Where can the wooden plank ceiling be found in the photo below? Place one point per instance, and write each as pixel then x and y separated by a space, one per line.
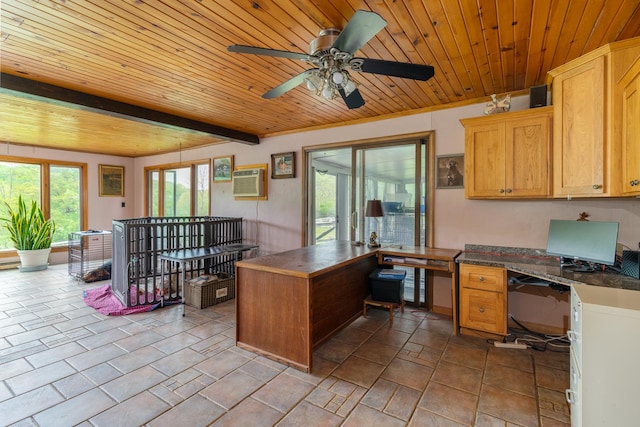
pixel 171 56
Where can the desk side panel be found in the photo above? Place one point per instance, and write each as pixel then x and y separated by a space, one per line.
pixel 337 298
pixel 272 315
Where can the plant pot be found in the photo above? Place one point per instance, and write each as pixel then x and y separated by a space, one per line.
pixel 34 260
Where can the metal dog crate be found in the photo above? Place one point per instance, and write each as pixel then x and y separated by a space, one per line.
pixel 87 251
pixel 135 271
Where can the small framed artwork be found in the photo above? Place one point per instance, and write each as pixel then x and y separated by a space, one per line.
pixel 449 171
pixel 222 168
pixel 111 181
pixel 283 165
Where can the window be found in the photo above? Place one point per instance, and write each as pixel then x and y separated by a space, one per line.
pixel 182 190
pixel 56 186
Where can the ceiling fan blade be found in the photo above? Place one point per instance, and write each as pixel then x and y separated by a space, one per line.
pixel 361 28
pixel 268 52
pixel 353 100
pixel 289 84
pixel 392 68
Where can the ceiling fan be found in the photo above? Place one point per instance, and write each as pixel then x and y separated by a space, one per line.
pixel 332 52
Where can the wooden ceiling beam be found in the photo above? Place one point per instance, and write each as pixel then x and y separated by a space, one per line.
pixel 20 86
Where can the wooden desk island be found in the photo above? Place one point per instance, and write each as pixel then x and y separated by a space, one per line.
pixel 288 304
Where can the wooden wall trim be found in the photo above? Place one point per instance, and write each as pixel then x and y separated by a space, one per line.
pixel 27 88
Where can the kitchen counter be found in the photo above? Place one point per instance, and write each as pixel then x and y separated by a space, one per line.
pixel 536 263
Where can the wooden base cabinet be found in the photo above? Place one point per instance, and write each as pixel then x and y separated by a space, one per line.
pixel 605 348
pixel 483 298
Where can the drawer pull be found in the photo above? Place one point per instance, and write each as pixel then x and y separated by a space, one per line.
pixel 596 186
pixel 481 278
pixel 481 309
pixel 570 396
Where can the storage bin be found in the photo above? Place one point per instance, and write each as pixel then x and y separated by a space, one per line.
pixel 209 289
pixel 387 288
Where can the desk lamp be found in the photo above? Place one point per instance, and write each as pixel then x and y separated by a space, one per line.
pixel 374 210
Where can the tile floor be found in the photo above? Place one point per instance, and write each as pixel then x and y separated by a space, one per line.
pixel 64 364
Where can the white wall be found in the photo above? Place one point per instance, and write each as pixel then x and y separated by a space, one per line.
pixel 457 221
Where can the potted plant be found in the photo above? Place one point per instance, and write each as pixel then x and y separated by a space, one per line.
pixel 31 234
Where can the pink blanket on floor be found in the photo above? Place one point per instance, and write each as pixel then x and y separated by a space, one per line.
pixel 103 300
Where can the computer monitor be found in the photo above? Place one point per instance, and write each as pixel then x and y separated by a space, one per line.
pixel 590 241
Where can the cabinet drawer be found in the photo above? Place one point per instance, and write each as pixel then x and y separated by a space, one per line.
pixel 483 278
pixel 483 310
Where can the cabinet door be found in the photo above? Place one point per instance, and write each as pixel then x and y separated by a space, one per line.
pixel 578 130
pixel 528 163
pixel 484 161
pixel 630 85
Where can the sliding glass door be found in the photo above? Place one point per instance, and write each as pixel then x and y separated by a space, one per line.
pixel 340 181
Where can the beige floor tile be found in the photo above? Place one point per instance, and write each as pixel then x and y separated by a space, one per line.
pixel 458 376
pixel 359 371
pixel 463 355
pixel 376 352
pixel 509 406
pixel 308 414
pixel 365 416
pixel 509 378
pixel 159 368
pixel 424 418
pixel 408 374
pixel 283 392
pixel 551 378
pixel 457 405
pixel 249 412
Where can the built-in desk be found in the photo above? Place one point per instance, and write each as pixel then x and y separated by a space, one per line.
pixel 434 259
pixel 536 263
pixel 288 304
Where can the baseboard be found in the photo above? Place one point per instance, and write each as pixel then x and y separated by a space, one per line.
pixel 535 327
pixel 9 265
pixel 445 311
pixel 481 334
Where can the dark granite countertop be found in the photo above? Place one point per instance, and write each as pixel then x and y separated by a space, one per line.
pixel 536 263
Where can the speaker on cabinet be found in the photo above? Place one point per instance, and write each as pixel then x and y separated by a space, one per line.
pixel 537 96
pixel 631 263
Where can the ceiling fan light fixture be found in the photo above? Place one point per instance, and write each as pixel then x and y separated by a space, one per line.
pixel 327 92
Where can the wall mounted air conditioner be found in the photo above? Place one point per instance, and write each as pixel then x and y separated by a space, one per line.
pixel 248 182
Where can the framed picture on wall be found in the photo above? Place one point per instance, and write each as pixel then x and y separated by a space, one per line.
pixel 449 171
pixel 111 181
pixel 222 168
pixel 283 165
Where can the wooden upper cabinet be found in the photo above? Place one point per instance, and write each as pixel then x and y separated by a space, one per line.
pixel 508 155
pixel 629 87
pixel 587 121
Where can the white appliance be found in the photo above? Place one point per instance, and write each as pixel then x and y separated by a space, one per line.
pixel 248 182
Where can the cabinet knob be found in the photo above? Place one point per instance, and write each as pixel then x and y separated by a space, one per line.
pixel 596 186
pixel 481 310
pixel 509 190
pixel 634 182
pixel 481 278
pixel 501 191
